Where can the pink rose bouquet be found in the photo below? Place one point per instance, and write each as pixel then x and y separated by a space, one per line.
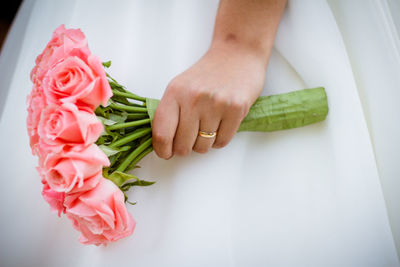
pixel 69 84
pixel 89 132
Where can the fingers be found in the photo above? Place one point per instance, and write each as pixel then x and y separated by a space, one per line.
pixel 182 112
pixel 164 126
pixel 230 124
pixel 186 132
pixel 210 125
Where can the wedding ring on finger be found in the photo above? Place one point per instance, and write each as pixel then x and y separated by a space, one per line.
pixel 207 134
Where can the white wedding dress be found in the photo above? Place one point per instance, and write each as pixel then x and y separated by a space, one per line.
pixel 305 197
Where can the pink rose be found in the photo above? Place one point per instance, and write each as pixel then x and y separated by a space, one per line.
pixel 75 171
pixel 77 79
pixel 100 214
pixel 68 125
pixel 36 102
pixel 61 44
pixel 55 199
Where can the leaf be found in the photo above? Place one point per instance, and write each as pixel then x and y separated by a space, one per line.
pixel 127 201
pixel 109 102
pixel 108 150
pixel 116 86
pixel 119 178
pixel 114 159
pixel 102 139
pixel 132 203
pixel 127 185
pixel 119 118
pixel 100 111
pixel 120 99
pixel 103 111
pixel 107 64
pixel 115 135
pixel 125 180
pixel 151 105
pixel 139 183
pixel 105 172
pixel 105 121
pixel 131 167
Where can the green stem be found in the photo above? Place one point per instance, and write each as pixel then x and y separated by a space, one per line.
pixel 133 136
pixel 140 156
pixel 129 95
pixel 128 124
pixel 128 108
pixel 116 99
pixel 136 116
pixel 134 154
pixel 108 75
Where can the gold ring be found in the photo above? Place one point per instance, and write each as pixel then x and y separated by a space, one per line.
pixel 207 134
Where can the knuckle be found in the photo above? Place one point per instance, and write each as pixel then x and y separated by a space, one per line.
pixel 220 143
pixel 220 101
pixel 197 95
pixel 240 107
pixel 200 150
pixel 181 151
pixel 175 85
pixel 161 139
pixel 237 105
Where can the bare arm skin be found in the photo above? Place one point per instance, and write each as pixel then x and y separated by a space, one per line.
pixel 216 93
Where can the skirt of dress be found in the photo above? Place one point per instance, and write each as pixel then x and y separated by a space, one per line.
pixel 303 197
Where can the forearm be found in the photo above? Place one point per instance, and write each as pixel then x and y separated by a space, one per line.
pixel 249 25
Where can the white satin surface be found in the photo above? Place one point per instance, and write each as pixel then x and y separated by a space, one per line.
pixel 303 197
pixel 371 32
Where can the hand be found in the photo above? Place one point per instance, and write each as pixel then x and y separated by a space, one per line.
pixel 215 94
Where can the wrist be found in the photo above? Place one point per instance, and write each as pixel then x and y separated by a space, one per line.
pixel 232 46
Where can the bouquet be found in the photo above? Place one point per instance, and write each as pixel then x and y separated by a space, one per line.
pixel 89 132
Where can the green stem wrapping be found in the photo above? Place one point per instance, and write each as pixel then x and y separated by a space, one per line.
pixel 128 160
pixel 128 108
pixel 286 111
pixel 133 136
pixel 128 124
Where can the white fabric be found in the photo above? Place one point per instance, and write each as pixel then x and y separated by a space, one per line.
pixel 374 54
pixel 302 197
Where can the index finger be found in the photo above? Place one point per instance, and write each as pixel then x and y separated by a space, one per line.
pixel 164 127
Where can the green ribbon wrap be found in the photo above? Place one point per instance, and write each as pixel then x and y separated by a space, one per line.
pixel 277 112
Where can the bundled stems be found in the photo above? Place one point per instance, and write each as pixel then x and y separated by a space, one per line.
pixel 128 124
pixel 136 116
pixel 141 155
pixel 131 137
pixel 128 108
pixel 127 137
pixel 131 157
pixel 129 95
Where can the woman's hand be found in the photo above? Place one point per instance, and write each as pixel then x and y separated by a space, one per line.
pixel 215 94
